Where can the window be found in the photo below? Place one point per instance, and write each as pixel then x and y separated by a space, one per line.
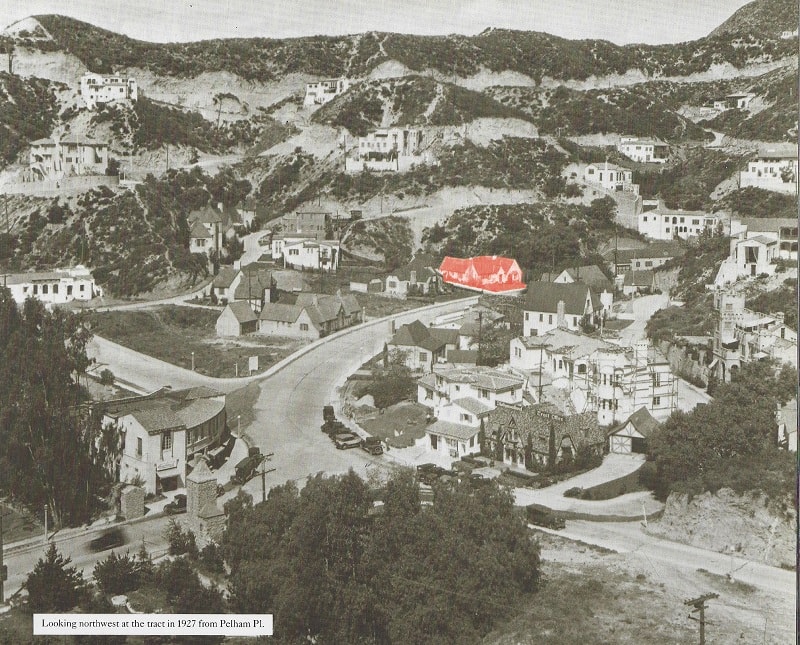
pixel 55 288
pixel 138 446
pixel 656 400
pixel 550 319
pixel 527 316
pixel 423 357
pixel 44 288
pixel 472 441
pixel 82 287
pixel 656 379
pixel 484 394
pixel 166 441
pixel 696 222
pixel 648 263
pixel 574 321
pixel 581 368
pixel 303 326
pixel 35 289
pixel 560 364
pixel 466 417
pixel 541 317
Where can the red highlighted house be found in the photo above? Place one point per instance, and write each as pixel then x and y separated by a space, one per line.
pixel 491 273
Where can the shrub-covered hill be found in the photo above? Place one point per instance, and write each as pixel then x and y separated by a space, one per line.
pixel 147 125
pixel 531 53
pixel 134 241
pixel 765 17
pixel 776 122
pixel 410 100
pixel 541 236
pixel 28 111
pixel 756 202
pixel 639 110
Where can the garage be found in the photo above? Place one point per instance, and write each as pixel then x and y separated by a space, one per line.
pixel 631 436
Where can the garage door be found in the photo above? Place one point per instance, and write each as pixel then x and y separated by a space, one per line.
pixel 620 444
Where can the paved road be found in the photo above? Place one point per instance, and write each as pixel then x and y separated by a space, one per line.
pixel 643 309
pixel 20 562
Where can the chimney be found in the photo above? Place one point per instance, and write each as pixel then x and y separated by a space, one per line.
pixel 561 319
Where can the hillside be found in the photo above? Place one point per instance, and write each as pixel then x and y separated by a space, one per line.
pixel 535 55
pixel 411 100
pixel 763 18
pixel 28 111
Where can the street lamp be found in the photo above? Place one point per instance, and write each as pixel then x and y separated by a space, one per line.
pixel 193 361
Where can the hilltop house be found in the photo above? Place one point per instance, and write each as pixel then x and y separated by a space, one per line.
pixel 99 88
pixel 540 435
pixel 738 100
pixel 651 257
pixel 742 335
pixel 160 433
pixel 53 287
pixel 418 277
pixel 70 156
pixel 312 316
pixel 388 149
pixel 774 168
pixel 423 346
pixel 549 305
pixel 205 230
pixel 644 150
pixel 666 224
pixel 489 273
pixel 321 92
pixel 611 177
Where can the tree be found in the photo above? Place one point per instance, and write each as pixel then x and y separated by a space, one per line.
pixel 51 453
pixel 117 574
pixel 53 586
pixel 106 377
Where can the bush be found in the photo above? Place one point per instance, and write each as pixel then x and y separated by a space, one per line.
pixel 180 541
pixel 117 574
pixel 211 558
pixel 575 491
pixel 107 377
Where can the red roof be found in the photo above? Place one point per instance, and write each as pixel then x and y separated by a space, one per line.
pixel 485 272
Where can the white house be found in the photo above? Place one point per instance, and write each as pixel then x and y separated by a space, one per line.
pixel 736 101
pixel 98 88
pixel 161 432
pixel 644 150
pixel 631 436
pixel 326 90
pixel 237 319
pixel 311 254
pixel 461 398
pixel 774 168
pixel 69 156
pixel 389 149
pixel 549 305
pixel 312 316
pixel 423 346
pixel 418 277
pixel 205 230
pixel 666 224
pixel 53 287
pixel 611 177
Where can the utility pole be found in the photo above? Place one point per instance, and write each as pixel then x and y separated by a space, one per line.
pixel 5 201
pixel 2 566
pixel 699 605
pixel 480 329
pixel 263 474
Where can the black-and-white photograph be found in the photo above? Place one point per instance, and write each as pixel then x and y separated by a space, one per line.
pixel 398 322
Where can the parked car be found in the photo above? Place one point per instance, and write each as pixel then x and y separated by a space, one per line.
pixel 345 440
pixel 328 413
pixel 177 505
pixel 543 516
pixel 109 539
pixel 429 473
pixel 372 445
pixel 246 468
pixel 333 427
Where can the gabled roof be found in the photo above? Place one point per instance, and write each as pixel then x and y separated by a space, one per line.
pixel 473 405
pixel 278 312
pixel 545 296
pixel 198 231
pixel 329 305
pixel 642 421
pixel 206 215
pixel 43 142
pixel 242 311
pixel 767 224
pixel 485 378
pixel 423 264
pixel 253 283
pixel 590 275
pixel 762 239
pixel 463 356
pixel 416 334
pixel 225 277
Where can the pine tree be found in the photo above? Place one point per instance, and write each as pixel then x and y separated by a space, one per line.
pixel 53 586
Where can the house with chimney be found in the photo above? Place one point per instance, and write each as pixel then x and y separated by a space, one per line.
pixel 205 230
pixel 70 156
pixel 310 316
pixel 611 177
pixel 97 89
pixel 643 150
pixel 423 347
pixel 485 273
pixel 550 305
pixel 418 277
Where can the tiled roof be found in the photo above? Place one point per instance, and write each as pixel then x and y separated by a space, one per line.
pixel 453 430
pixel 157 419
pixel 762 239
pixel 473 405
pixel 592 276
pixel 253 283
pixel 199 392
pixel 278 312
pixel 482 377
pixel 570 343
pixel 43 142
pixel 466 356
pixel 545 296
pixel 199 411
pixel 767 224
pixel 166 409
pixel 416 334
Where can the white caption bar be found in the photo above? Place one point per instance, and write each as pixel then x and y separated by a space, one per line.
pixel 153 624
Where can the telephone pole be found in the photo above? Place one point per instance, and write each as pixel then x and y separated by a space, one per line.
pixel 699 605
pixel 263 474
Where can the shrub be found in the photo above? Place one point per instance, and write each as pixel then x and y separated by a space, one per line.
pixel 180 541
pixel 117 574
pixel 107 377
pixel 575 491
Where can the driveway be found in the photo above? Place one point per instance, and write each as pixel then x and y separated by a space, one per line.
pixel 643 309
pixel 633 505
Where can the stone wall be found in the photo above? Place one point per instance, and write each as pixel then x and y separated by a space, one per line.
pixel 131 502
pixel 682 364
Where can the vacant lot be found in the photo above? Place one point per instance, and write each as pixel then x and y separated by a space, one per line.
pixel 400 425
pixel 174 334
